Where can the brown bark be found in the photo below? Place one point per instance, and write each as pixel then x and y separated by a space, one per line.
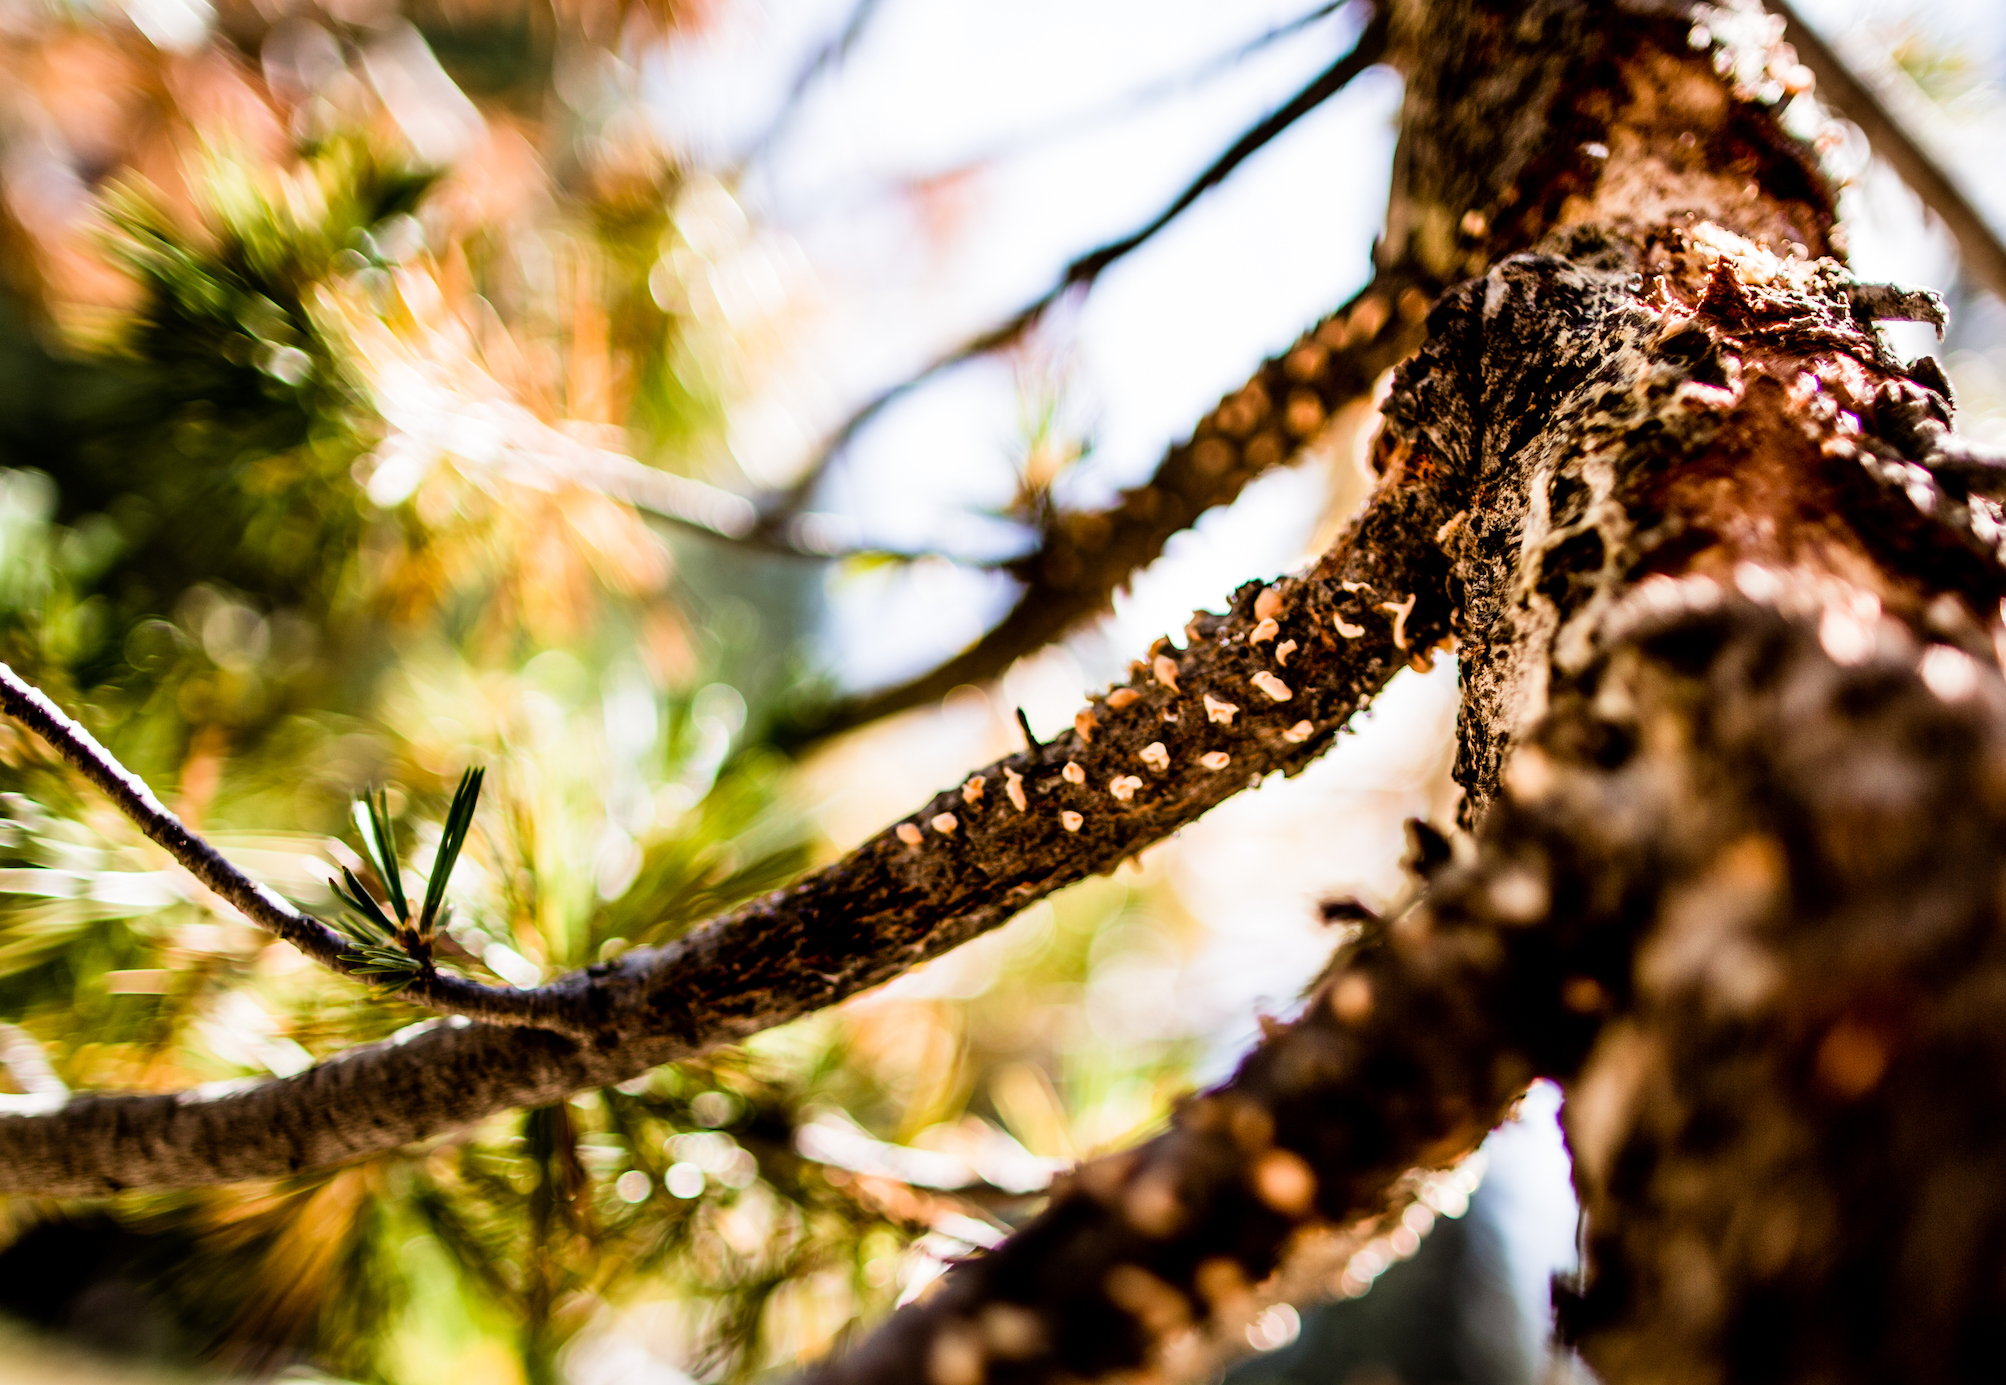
pixel 1731 741
pixel 1734 747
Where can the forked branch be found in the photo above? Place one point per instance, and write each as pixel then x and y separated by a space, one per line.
pixel 430 988
pixel 1082 272
pixel 1083 557
pixel 1264 687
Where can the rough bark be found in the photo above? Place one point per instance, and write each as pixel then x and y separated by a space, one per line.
pixel 1762 641
pixel 1732 745
pixel 1784 1136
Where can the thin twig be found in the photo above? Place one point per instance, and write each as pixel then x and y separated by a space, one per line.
pixel 1082 558
pixel 1082 272
pixel 533 452
pixel 716 513
pixel 546 1007
pixel 1070 124
pixel 1978 244
pixel 827 57
pixel 541 456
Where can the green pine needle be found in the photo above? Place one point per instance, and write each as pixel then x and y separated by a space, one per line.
pixel 459 821
pixel 384 962
pixel 381 935
pixel 381 961
pixel 374 817
pixel 366 910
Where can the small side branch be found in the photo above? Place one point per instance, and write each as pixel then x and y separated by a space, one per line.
pixel 546 1008
pixel 1082 272
pixel 1263 688
pixel 1410 1049
pixel 1978 245
pixel 542 456
pixel 1082 558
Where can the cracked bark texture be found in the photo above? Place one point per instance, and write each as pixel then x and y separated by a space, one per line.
pixel 1734 750
pixel 1727 608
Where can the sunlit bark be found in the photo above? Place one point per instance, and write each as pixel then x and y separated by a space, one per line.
pixel 1732 742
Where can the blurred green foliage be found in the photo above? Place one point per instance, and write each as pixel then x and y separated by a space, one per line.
pixel 200 554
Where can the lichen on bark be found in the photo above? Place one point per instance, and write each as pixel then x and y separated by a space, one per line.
pixel 1726 596
pixel 1726 603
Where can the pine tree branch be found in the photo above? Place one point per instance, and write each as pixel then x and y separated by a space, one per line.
pixel 1082 272
pixel 1263 688
pixel 1638 921
pixel 1979 246
pixel 1082 558
pixel 1409 1051
pixel 1738 883
pixel 545 1007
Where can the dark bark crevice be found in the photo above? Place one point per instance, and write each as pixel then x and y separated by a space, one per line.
pixel 1725 613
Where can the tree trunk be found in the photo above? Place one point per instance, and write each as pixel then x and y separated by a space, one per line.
pixel 1726 595
pixel 1734 748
